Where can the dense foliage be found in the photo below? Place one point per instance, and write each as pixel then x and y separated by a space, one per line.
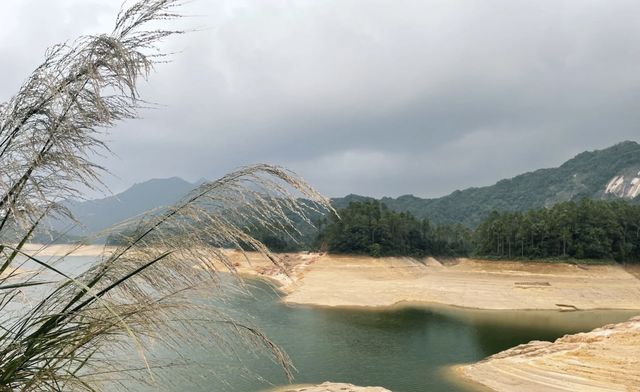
pixel 582 230
pixel 369 227
pixel 586 229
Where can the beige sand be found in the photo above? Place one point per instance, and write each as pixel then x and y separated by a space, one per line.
pixel 605 359
pixel 291 269
pixel 496 285
pixel 330 280
pixel 65 249
pixel 330 387
pixel 12 273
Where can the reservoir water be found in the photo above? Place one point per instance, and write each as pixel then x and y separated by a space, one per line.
pixel 407 349
pixel 404 350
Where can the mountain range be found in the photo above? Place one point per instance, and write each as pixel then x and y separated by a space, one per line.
pixel 609 173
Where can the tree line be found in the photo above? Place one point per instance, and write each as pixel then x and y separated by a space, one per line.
pixel 370 227
pixel 586 229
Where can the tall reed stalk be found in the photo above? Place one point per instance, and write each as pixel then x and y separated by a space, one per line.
pixel 61 332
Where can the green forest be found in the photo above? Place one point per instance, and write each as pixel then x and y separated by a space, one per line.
pixel 587 229
pixel 370 227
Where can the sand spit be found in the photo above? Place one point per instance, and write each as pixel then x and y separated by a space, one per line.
pixel 605 359
pixel 330 387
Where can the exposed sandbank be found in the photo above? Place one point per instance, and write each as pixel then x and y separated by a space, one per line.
pixel 605 359
pixel 329 387
pixel 494 285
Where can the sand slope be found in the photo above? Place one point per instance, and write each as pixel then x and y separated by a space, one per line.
pixel 605 359
pixel 498 285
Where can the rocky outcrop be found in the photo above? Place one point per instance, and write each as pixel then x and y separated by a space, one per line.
pixel 604 360
pixel 624 186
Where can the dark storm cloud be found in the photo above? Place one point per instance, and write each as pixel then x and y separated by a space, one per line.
pixel 371 97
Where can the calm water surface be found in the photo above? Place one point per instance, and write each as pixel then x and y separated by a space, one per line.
pixel 404 350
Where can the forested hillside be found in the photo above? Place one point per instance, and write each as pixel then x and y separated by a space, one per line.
pixel 590 174
pixel 599 230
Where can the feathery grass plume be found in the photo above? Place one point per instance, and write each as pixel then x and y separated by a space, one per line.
pixel 73 328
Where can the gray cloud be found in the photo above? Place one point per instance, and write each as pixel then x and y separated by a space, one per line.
pixel 372 97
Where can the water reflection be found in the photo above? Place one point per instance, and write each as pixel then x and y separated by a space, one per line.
pixel 402 349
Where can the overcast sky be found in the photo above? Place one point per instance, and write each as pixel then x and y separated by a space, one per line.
pixel 376 97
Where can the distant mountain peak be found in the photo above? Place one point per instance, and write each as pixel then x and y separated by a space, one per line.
pixel 627 143
pixel 174 179
pixel 99 214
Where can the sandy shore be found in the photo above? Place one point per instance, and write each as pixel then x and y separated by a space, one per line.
pixel 493 285
pixel 348 281
pixel 605 359
pixel 329 387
